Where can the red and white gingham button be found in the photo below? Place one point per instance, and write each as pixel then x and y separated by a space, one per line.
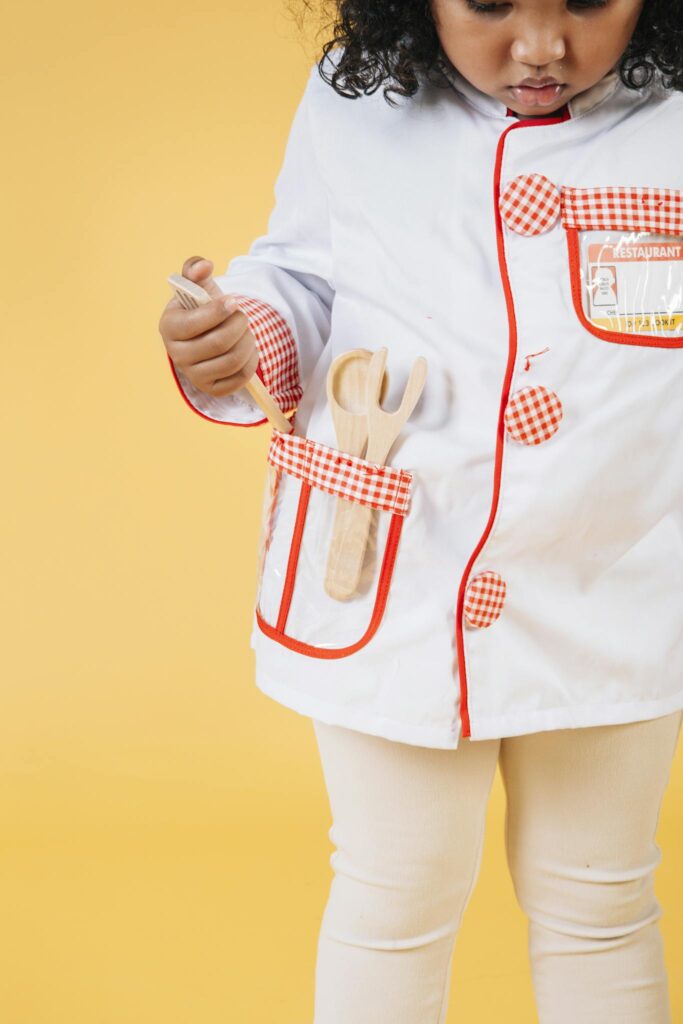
pixel 484 599
pixel 530 204
pixel 532 414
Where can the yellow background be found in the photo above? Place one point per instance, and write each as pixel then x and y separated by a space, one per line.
pixel 164 848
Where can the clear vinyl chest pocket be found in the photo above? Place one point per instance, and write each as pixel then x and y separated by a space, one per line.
pixel 625 247
pixel 329 540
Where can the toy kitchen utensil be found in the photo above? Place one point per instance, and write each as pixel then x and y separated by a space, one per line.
pixel 351 528
pixel 346 385
pixel 192 295
pixel 347 396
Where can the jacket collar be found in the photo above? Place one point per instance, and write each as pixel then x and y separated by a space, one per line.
pixel 579 104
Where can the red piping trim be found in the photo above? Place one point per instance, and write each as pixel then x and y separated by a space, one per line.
pixel 292 562
pixel 641 340
pixel 500 433
pixel 386 572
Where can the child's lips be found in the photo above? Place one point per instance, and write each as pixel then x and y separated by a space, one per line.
pixel 533 96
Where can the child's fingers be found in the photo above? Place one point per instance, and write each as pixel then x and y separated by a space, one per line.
pixel 230 369
pixel 228 385
pixel 168 313
pixel 196 265
pixel 199 270
pixel 180 324
pixel 212 343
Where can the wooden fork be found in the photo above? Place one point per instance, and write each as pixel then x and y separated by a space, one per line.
pixel 190 295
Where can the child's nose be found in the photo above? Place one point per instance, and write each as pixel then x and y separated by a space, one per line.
pixel 539 45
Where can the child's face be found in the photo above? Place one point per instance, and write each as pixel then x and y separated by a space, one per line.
pixel 497 45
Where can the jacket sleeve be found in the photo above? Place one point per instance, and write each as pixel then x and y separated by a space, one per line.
pixel 284 283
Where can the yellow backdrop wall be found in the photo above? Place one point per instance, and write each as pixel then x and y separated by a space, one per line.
pixel 164 851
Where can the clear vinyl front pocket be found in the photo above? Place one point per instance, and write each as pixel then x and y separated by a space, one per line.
pixel 625 250
pixel 329 540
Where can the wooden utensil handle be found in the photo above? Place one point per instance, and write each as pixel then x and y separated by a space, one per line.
pixel 347 548
pixel 267 403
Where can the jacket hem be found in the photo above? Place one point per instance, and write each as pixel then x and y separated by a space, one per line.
pixel 495 726
pixel 487 728
pixel 375 725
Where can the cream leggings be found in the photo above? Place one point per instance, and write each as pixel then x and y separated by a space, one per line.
pixel 407 825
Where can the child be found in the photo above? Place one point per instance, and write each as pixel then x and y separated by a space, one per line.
pixel 497 187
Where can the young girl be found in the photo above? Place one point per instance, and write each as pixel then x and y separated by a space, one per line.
pixel 497 187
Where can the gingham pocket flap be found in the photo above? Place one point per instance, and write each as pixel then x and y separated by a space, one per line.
pixel 348 476
pixel 622 208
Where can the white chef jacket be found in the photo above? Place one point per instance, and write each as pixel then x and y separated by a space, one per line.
pixel 525 570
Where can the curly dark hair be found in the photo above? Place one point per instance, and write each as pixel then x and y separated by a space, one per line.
pixel 394 44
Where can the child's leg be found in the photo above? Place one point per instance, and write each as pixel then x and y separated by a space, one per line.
pixel 582 812
pixel 407 823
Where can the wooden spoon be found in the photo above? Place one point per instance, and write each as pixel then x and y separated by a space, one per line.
pixel 347 550
pixel 347 397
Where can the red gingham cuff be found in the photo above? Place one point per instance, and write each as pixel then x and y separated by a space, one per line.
pixel 278 366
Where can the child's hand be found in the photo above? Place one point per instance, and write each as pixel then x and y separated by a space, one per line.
pixel 212 345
